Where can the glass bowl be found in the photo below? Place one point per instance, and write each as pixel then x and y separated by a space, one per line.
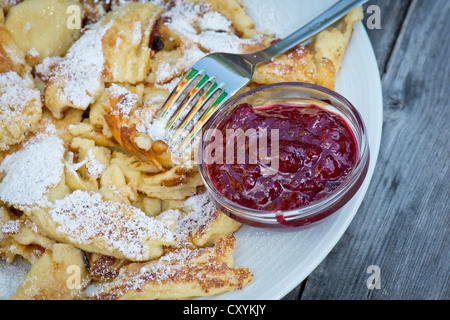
pixel 297 93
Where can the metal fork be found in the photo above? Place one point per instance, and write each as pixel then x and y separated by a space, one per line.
pixel 218 76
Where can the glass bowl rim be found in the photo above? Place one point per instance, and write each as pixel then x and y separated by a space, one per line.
pixel 265 217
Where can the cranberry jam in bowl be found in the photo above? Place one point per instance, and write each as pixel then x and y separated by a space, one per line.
pixel 284 155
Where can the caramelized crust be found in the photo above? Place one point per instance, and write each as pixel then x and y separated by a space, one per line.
pixel 12 57
pixel 180 274
pixel 126 137
pixel 103 268
pixel 317 63
pixel 296 65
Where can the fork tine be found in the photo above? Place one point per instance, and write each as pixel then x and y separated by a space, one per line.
pixel 206 115
pixel 198 106
pixel 175 94
pixel 191 95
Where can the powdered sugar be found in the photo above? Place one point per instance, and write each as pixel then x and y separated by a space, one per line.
pixel 13 54
pixel 15 94
pixel 167 71
pixel 214 41
pixel 80 72
pixel 157 130
pixel 86 218
pixel 176 264
pixel 45 70
pixel 198 27
pixel 166 268
pixel 169 85
pixel 202 31
pixel 31 171
pixel 118 3
pixel 116 91
pixel 213 20
pixel 33 53
pixel 199 213
pixel 11 227
pixel 11 275
pixel 127 99
pixel 147 113
pixel 182 16
pixel 94 167
pixel 136 35
pixel 214 33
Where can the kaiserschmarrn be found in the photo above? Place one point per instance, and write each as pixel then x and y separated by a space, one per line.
pixel 90 194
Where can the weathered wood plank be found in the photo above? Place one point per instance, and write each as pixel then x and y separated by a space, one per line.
pixel 403 224
pixel 392 14
pixel 296 293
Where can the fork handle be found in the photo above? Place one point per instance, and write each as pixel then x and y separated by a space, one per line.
pixel 318 24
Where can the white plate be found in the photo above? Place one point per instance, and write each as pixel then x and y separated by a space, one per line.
pixel 278 260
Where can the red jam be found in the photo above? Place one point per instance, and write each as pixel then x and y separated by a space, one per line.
pixel 316 148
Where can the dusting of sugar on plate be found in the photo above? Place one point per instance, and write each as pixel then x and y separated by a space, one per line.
pixel 11 275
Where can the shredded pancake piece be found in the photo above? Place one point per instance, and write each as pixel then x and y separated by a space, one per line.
pixel 181 274
pixel 120 230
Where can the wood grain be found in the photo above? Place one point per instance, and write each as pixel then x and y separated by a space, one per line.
pixel 392 14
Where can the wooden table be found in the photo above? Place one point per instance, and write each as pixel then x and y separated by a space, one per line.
pixel 402 229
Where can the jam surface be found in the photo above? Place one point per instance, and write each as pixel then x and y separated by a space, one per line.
pixel 316 151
